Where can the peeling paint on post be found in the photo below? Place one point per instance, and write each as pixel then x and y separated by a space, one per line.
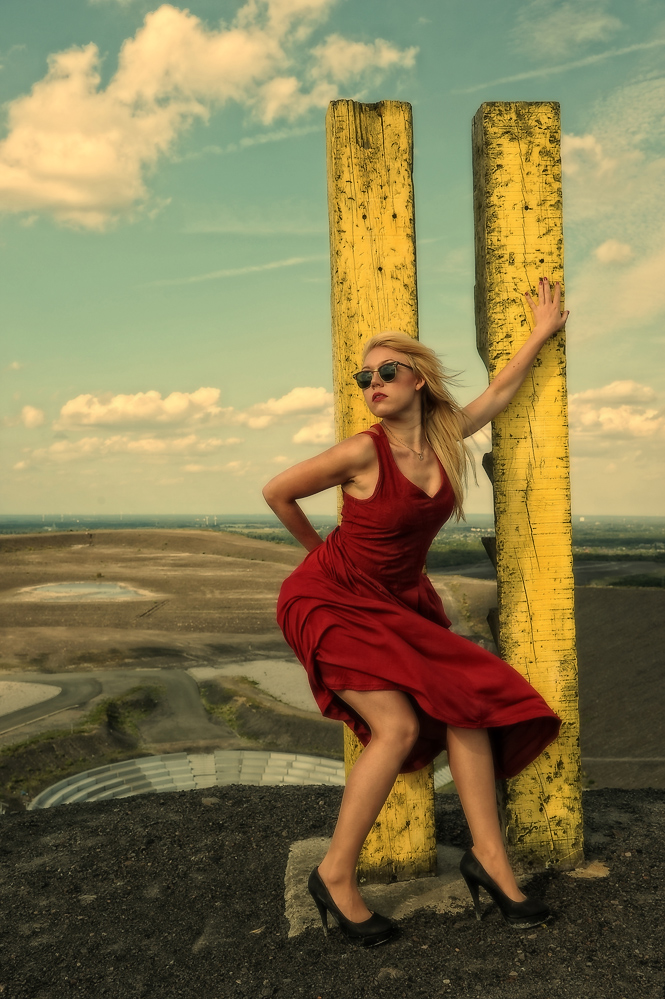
pixel 373 288
pixel 519 238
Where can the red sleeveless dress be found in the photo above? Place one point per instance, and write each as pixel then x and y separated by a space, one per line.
pixel 360 615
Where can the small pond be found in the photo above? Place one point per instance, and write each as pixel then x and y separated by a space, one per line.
pixel 76 592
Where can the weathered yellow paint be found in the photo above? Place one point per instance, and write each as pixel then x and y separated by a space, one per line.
pixel 373 288
pixel 519 238
pixel 402 842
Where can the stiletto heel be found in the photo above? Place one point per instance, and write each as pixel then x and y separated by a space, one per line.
pixel 475 895
pixel 522 915
pixel 371 932
pixel 323 912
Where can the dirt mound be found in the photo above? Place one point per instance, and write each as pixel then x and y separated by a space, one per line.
pixel 221 543
pixel 200 581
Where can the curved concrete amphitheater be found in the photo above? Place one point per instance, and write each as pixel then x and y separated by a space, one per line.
pixel 184 772
pixel 196 771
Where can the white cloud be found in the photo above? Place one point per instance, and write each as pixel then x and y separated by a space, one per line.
pixel 613 252
pixel 234 467
pixel 238 271
pixel 174 423
pixel 298 400
pixel 288 215
pixel 612 178
pixel 143 447
pixel 186 408
pixel 140 409
pixel 619 411
pixel 32 417
pixel 554 70
pixel 618 392
pixel 81 153
pixel 547 29
pixel 318 431
pixel 340 59
pixel 621 421
pixel 260 138
pixel 584 151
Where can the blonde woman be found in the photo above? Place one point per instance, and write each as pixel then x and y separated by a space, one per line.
pixel 371 631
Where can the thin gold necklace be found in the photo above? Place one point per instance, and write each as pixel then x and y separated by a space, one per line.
pixel 421 454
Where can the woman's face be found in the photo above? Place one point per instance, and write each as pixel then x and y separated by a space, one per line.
pixel 399 397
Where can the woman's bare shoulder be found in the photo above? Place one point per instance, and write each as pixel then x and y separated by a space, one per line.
pixel 360 445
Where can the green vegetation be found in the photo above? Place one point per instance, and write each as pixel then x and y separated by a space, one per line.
pixel 219 701
pixel 440 557
pixel 604 540
pixel 106 734
pixel 640 579
pixel 279 535
pixel 266 722
pixel 618 555
pixel 622 539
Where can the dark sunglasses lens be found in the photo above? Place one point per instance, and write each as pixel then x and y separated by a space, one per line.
pixel 386 372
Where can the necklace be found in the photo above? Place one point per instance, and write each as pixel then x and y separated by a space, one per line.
pixel 421 454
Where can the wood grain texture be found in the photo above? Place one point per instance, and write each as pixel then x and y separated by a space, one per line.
pixel 373 288
pixel 372 239
pixel 519 238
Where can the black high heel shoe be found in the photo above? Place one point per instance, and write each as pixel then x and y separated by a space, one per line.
pixel 521 915
pixel 371 932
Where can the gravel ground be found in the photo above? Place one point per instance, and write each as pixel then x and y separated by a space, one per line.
pixel 164 896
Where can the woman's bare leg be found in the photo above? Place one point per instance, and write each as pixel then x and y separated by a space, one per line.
pixel 470 760
pixel 394 727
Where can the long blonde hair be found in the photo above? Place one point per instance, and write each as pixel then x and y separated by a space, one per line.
pixel 442 417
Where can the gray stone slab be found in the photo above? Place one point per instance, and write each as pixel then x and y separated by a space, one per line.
pixel 447 892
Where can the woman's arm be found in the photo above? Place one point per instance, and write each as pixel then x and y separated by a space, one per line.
pixel 495 398
pixel 337 465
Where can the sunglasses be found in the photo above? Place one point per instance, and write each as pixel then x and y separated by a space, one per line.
pixel 387 373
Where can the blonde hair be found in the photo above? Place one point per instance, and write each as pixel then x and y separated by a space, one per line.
pixel 442 418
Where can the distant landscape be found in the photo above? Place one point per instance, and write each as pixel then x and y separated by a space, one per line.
pixel 145 635
pixel 606 549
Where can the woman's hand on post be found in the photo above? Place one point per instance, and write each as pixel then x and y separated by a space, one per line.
pixel 547 310
pixel 549 320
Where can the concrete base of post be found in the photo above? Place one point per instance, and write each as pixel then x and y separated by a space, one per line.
pixel 446 892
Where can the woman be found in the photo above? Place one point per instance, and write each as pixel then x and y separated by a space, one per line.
pixel 371 631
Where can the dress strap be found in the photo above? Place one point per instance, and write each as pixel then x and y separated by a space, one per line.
pixel 388 471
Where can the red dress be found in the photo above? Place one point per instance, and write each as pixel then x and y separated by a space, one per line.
pixel 360 615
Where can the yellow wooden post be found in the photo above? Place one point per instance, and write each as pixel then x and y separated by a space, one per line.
pixel 373 275
pixel 519 238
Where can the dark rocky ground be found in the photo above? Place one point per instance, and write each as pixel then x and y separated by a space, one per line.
pixel 163 896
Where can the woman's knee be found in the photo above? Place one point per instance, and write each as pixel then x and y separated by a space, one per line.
pixel 402 732
pixel 410 733
pixel 388 714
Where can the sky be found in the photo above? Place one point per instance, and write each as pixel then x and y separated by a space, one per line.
pixel 164 236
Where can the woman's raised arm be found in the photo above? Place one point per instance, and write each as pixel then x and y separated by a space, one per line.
pixel 339 464
pixel 495 398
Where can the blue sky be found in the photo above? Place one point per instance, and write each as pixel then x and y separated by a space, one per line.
pixel 164 247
